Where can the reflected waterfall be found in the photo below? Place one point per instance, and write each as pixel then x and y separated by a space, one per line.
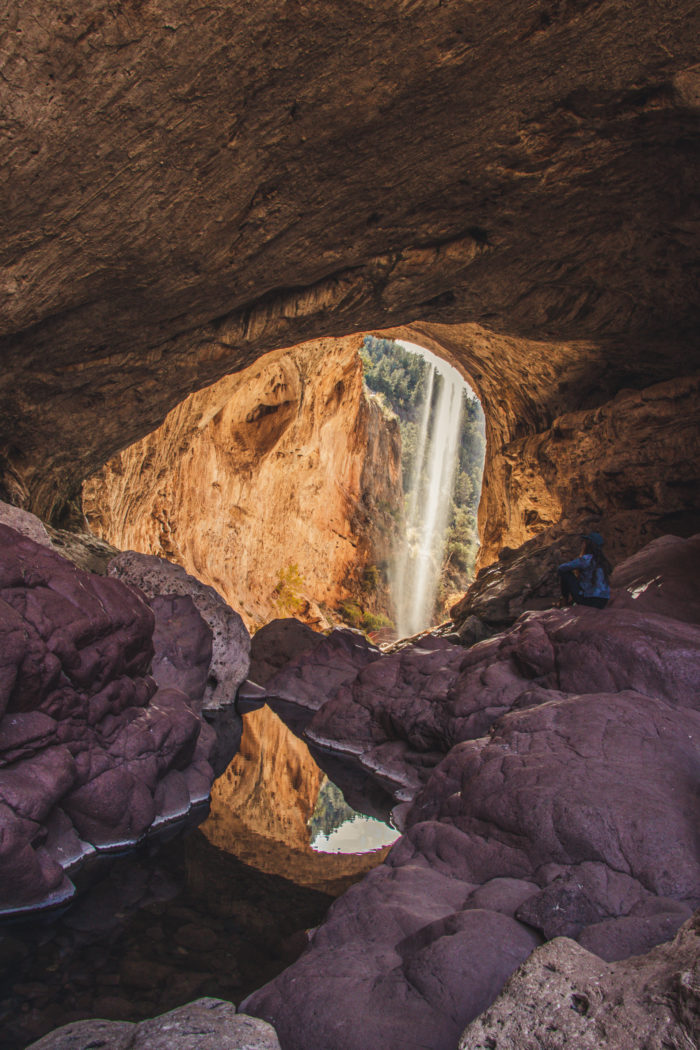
pixel 418 564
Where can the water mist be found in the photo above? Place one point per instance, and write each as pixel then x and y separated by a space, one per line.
pixel 418 564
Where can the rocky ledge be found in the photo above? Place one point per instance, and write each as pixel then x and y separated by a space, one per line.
pixel 547 781
pixel 207 1024
pixel 106 694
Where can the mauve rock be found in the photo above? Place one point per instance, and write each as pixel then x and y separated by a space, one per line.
pixel 504 895
pixel 566 798
pixel 661 578
pixel 183 646
pixel 307 681
pixel 23 877
pixel 32 787
pixel 24 522
pixel 89 629
pixel 114 807
pixel 278 642
pixel 409 963
pixel 612 795
pixel 206 1024
pixel 391 715
pixel 86 739
pixel 21 735
pixel 419 703
pixel 634 934
pixel 230 640
pixel 564 997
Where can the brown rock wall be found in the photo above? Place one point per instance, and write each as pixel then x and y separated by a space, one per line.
pixel 284 465
pixel 630 466
pixel 184 189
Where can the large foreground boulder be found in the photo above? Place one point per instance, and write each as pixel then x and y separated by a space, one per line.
pixel 94 751
pixel 565 997
pixel 207 1024
pixel 550 783
pixel 201 644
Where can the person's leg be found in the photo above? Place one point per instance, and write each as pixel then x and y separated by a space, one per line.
pixel 570 588
pixel 595 603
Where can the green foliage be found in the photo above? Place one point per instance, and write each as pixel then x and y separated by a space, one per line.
pixel 371 579
pixel 330 812
pixel 375 621
pixel 395 373
pixel 351 614
pixel 288 590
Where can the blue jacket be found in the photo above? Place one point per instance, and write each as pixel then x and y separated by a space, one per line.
pixel 591 577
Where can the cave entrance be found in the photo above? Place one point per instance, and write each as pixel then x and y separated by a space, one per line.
pixel 336 481
pixel 442 428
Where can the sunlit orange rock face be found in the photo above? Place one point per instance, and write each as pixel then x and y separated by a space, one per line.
pixel 261 806
pixel 278 486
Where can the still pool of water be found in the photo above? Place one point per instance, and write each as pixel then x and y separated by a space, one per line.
pixel 216 911
pixel 337 828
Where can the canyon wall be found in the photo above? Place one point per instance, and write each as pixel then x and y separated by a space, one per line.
pixel 279 486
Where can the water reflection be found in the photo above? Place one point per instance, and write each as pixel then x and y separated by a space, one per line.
pixel 336 828
pixel 197 916
pixel 263 805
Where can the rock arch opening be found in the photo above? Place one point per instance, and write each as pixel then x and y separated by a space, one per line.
pixel 337 481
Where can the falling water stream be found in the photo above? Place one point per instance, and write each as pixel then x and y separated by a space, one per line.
pixel 418 564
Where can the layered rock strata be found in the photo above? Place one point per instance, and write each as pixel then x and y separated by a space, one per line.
pixel 278 486
pixel 550 784
pixel 94 751
pixel 183 193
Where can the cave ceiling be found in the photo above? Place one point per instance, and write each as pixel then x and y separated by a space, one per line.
pixel 185 187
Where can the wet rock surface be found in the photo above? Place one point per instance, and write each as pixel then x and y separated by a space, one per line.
pixel 557 798
pixel 94 753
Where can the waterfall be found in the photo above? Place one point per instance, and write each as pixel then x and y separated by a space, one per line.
pixel 418 564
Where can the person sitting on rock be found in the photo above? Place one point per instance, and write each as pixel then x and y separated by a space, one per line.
pixel 584 581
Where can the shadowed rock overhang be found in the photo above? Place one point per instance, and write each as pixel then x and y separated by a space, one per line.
pixel 185 189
